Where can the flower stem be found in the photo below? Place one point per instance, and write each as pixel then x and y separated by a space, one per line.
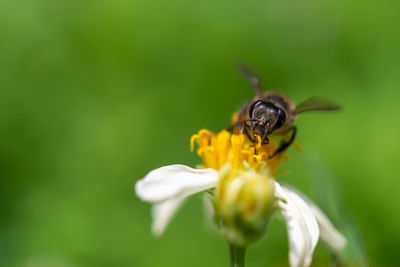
pixel 237 255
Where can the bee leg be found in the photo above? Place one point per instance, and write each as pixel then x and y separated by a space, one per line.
pixel 248 134
pixel 284 145
pixel 264 139
pixel 230 128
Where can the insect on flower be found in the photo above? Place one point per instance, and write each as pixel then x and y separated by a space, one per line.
pixel 238 172
pixel 272 113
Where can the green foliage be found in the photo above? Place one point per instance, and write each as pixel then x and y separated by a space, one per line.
pixel 94 94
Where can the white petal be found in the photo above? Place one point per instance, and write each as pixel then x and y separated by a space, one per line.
pixel 335 240
pixel 168 187
pixel 303 231
pixel 162 213
pixel 174 181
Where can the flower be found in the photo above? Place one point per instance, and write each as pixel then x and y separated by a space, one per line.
pixel 239 176
pixel 244 201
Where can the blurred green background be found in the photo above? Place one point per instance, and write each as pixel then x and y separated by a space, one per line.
pixel 94 94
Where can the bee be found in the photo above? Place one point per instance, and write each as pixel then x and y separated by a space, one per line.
pixel 271 113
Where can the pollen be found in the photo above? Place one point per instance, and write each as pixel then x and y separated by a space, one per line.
pixel 217 150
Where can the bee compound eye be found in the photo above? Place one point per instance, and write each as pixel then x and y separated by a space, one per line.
pixel 281 119
pixel 256 105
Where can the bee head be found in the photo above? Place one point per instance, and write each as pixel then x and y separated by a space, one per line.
pixel 266 117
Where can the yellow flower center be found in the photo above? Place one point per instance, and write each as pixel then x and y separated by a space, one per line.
pixel 216 150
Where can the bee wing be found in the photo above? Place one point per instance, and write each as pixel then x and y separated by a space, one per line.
pixel 251 78
pixel 315 103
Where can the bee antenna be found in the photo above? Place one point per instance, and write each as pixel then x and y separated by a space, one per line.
pixel 246 120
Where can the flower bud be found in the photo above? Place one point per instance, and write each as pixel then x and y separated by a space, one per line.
pixel 243 204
